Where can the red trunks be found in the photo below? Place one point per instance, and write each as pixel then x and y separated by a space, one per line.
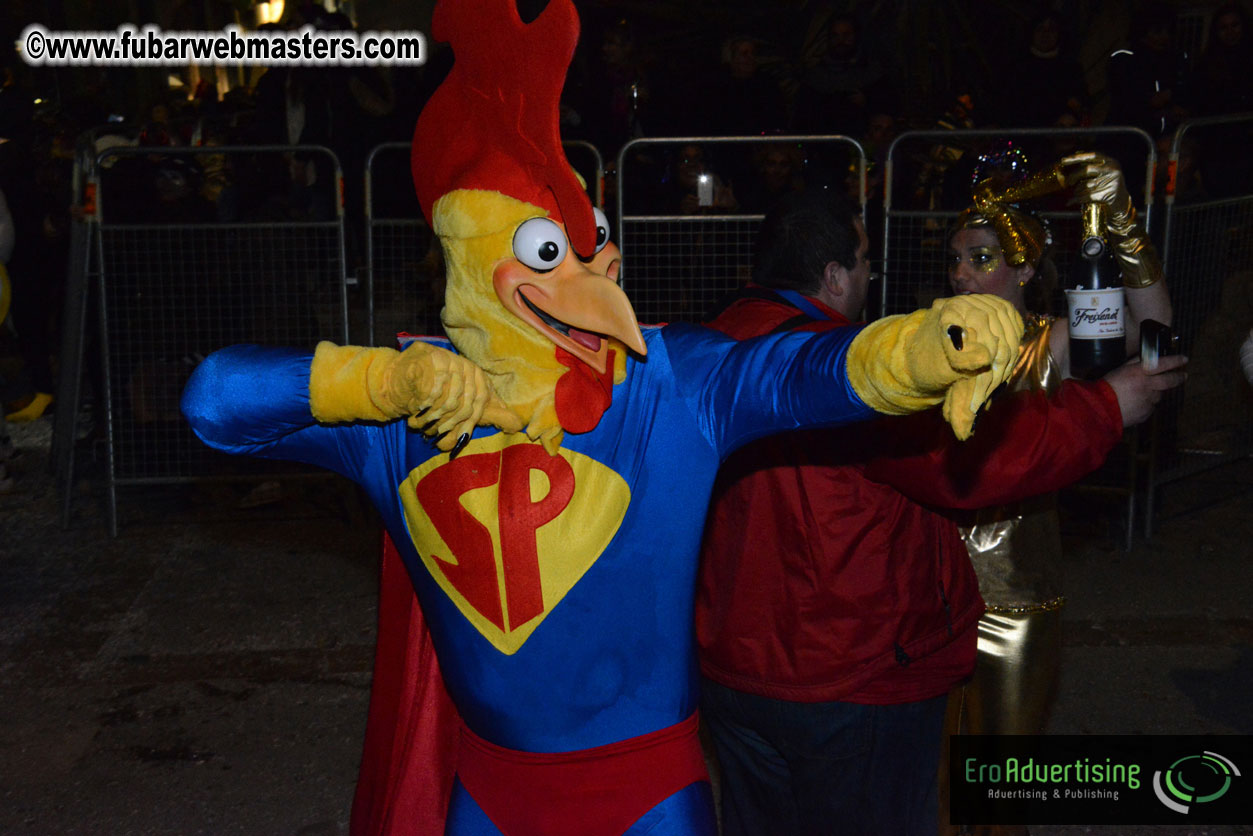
pixel 591 792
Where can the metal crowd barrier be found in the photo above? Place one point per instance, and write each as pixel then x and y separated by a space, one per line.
pixel 196 249
pixel 586 159
pixel 1207 250
pixel 176 274
pixel 404 270
pixel 928 180
pixel 679 257
pixel 80 274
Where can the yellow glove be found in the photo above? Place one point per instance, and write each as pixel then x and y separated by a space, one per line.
pixel 954 353
pixel 1097 178
pixel 437 390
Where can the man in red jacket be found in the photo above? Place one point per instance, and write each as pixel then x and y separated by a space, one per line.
pixel 835 609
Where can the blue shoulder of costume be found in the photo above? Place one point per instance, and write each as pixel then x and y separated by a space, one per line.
pixel 739 390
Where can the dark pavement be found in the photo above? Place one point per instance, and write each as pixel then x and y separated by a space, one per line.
pixel 207 671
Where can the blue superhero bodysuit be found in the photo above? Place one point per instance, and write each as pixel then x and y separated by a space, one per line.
pixel 558 589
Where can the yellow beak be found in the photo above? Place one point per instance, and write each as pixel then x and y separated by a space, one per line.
pixel 577 306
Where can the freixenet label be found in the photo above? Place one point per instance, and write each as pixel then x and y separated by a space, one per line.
pixel 1096 314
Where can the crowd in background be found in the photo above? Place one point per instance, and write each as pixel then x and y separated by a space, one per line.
pixel 826 70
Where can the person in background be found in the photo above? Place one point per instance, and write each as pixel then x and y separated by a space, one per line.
pixel 1046 88
pixel 1224 84
pixel 1145 77
pixel 737 98
pixel 775 172
pixel 1146 87
pixel 835 608
pixel 697 189
pixel 36 264
pixel 620 97
pixel 740 99
pixel 881 130
pixel 838 81
pixel 1016 548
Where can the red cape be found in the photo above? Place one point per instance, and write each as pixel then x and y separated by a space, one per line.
pixel 408 760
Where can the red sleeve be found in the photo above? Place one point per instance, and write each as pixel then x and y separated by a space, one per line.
pixel 1024 445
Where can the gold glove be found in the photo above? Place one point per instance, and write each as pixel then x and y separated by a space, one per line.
pixel 954 353
pixel 437 390
pixel 1097 178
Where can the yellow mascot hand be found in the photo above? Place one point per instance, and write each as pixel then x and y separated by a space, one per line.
pixel 1097 178
pixel 956 353
pixel 439 392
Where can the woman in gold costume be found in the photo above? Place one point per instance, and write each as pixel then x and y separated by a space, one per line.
pixel 997 248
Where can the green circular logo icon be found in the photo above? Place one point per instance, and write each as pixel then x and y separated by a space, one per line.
pixel 1194 779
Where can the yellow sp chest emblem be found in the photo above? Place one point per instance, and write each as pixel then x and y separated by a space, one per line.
pixel 506 530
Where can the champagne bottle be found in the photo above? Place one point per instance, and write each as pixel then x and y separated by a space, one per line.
pixel 1098 337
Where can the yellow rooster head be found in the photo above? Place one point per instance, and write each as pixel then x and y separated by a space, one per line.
pixel 532 294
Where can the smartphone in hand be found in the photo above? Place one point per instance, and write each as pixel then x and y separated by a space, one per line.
pixel 705 189
pixel 1156 341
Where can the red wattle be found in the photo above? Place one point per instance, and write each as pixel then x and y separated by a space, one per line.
pixel 582 394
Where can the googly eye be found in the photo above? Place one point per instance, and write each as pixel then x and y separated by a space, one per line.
pixel 602 228
pixel 540 244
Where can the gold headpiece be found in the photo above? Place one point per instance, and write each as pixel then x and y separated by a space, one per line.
pixel 1023 238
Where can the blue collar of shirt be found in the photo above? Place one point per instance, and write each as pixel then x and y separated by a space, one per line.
pixel 803 304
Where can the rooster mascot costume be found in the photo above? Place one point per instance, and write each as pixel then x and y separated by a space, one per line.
pixel 544 474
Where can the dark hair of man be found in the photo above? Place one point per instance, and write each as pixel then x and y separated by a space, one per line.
pixel 799 236
pixel 1150 16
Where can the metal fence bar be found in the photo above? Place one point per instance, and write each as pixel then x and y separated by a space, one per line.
pixel 928 183
pixel 79 271
pixel 1207 252
pixel 83 235
pixel 680 258
pixel 404 273
pixel 106 375
pixel 588 162
pixel 199 248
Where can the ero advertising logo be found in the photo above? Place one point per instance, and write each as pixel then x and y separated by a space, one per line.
pixel 1099 779
pixel 1194 779
pixel 1029 779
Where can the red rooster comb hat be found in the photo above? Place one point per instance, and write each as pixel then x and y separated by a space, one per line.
pixel 493 124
